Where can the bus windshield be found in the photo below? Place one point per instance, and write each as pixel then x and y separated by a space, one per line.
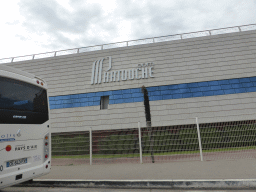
pixel 21 101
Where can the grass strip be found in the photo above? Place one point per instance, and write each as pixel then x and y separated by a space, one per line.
pixel 147 154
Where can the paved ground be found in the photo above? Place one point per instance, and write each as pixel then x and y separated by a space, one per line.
pixel 42 189
pixel 217 169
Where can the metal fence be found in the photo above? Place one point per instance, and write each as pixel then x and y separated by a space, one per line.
pixel 229 140
pixel 131 43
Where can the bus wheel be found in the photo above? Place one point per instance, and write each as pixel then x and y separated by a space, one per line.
pixel 30 181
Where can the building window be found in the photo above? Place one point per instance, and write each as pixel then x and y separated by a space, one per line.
pixel 104 101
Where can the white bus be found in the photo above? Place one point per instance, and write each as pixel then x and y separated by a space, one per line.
pixel 25 147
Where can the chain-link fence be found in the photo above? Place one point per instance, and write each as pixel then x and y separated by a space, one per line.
pixel 115 146
pixel 231 140
pixel 159 144
pixel 71 144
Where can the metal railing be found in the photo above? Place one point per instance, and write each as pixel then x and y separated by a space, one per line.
pixel 195 142
pixel 131 43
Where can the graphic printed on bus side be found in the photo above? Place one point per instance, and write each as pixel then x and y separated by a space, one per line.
pixel 25 148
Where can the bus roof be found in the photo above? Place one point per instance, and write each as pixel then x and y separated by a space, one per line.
pixel 17 71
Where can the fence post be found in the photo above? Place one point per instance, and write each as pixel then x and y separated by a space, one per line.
pixel 140 142
pixel 90 146
pixel 199 139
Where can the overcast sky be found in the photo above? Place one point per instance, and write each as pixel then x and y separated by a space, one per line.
pixel 36 26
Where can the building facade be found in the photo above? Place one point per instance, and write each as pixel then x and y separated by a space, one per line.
pixel 211 77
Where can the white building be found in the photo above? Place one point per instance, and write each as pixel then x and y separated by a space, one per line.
pixel 212 77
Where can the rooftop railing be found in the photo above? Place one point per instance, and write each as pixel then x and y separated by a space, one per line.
pixel 131 43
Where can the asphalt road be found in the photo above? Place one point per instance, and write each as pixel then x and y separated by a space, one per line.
pixel 42 189
pixel 206 170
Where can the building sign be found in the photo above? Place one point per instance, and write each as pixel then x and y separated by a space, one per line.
pixel 141 71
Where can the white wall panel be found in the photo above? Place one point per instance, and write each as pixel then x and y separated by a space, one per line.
pixel 200 59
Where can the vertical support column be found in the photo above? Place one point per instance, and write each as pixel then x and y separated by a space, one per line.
pixel 199 139
pixel 140 142
pixel 90 146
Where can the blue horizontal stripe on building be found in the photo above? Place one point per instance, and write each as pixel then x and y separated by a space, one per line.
pixel 177 91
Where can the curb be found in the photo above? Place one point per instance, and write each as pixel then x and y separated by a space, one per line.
pixel 145 184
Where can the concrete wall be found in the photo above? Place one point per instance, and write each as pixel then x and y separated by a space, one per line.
pixel 176 94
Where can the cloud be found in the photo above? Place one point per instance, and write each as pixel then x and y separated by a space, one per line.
pixel 84 23
pixel 50 18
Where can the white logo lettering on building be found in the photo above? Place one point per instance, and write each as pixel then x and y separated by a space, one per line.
pixel 141 71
